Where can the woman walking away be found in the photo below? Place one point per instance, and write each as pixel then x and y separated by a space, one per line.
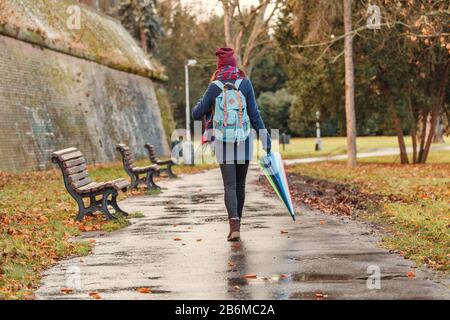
pixel 230 101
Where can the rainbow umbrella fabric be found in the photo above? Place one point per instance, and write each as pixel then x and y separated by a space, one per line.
pixel 272 167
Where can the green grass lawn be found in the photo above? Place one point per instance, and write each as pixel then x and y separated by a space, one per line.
pixel 415 206
pixel 304 147
pixel 433 157
pixel 37 219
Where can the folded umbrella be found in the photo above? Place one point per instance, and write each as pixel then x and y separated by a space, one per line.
pixel 272 167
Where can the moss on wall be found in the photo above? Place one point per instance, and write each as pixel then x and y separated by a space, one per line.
pixel 100 38
pixel 51 101
pixel 166 111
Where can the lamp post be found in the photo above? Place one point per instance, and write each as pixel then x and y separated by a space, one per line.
pixel 318 140
pixel 187 152
pixel 189 63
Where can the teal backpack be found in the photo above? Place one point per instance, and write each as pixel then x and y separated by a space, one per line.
pixel 231 122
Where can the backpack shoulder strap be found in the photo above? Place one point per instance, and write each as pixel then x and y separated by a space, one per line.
pixel 238 83
pixel 219 84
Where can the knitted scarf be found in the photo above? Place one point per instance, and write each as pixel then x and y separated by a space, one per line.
pixel 228 73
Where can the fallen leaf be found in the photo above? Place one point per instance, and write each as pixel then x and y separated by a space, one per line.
pixel 66 290
pixel 177 239
pixel 284 231
pixel 410 274
pixel 323 222
pixel 199 240
pixel 144 290
pixel 249 276
pixel 231 264
pixel 94 295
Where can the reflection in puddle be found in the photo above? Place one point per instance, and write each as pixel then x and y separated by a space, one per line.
pixel 175 209
pixel 237 281
pixel 356 256
pixel 304 277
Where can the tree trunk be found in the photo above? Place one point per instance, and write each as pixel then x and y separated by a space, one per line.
pixel 439 132
pixel 396 122
pixel 349 86
pixel 413 131
pixel 228 11
pixel 258 29
pixel 414 144
pixel 423 135
pixel 435 112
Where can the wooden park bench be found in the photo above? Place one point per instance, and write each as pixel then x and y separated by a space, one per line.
pixel 76 179
pixel 165 165
pixel 138 175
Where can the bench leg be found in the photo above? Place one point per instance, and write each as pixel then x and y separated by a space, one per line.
pixel 92 203
pixel 81 213
pixel 82 210
pixel 149 181
pixel 113 203
pixel 134 181
pixel 170 172
pixel 104 208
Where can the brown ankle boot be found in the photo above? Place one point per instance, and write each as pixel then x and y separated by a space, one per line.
pixel 235 228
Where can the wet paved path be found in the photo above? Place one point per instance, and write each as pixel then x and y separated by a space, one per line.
pixel 319 254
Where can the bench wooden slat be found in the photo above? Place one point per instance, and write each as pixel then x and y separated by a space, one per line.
pixel 153 167
pixel 71 155
pixel 152 153
pixel 88 187
pixel 74 162
pixel 76 169
pixel 92 187
pixel 164 162
pixel 81 183
pixel 129 159
pixel 124 147
pixel 64 151
pixel 122 184
pixel 78 176
pixel 119 183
